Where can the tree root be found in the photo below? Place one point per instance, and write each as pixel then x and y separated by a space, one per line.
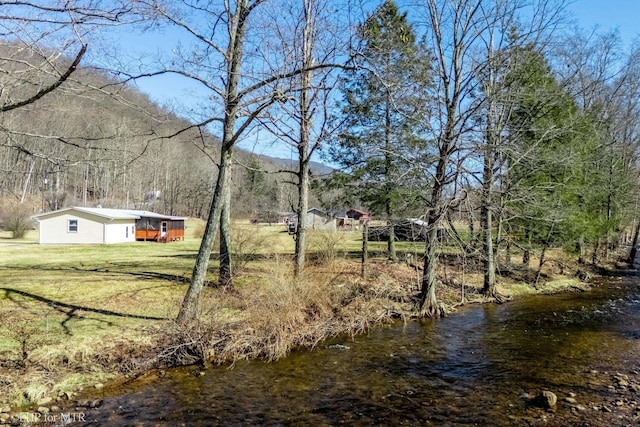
pixel 497 298
pixel 433 311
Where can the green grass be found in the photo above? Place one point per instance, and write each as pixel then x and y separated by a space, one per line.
pixel 73 308
pixel 84 313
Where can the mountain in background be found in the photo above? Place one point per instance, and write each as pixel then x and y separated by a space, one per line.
pixel 95 142
pixel 317 169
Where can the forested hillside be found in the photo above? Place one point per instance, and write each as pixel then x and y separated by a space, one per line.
pixel 95 142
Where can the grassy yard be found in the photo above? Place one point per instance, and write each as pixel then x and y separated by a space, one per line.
pixel 75 315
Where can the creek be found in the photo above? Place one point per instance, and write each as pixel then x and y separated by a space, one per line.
pixel 475 367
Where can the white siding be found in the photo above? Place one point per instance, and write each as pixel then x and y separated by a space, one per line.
pixel 91 229
pixel 120 231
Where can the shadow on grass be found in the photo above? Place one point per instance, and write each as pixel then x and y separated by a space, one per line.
pixel 174 278
pixel 72 310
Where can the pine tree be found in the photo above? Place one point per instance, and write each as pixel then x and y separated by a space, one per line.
pixel 383 105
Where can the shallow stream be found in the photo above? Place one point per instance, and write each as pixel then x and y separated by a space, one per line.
pixel 476 367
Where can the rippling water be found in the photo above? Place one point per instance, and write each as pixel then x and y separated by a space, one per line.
pixel 469 369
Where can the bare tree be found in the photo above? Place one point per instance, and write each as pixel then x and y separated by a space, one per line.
pixel 41 49
pixel 315 34
pixel 226 49
pixel 503 31
pixel 451 35
pixel 37 37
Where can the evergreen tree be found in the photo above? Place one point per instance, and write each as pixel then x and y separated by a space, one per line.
pixel 543 155
pixel 383 105
pixel 561 166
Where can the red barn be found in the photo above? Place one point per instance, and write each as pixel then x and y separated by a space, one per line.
pixel 358 215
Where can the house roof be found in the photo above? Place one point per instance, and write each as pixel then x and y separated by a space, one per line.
pixel 317 211
pixel 149 214
pixel 338 213
pixel 110 213
pixel 360 211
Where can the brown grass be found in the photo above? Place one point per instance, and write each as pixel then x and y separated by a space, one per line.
pixel 73 316
pixel 277 314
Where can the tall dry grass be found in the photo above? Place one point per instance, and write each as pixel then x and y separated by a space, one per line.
pixel 279 313
pixel 53 335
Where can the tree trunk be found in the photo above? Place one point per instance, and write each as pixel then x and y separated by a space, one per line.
pixel 472 233
pixel 189 308
pixel 303 207
pixel 26 182
pixel 580 251
pixel 391 244
pixel 303 143
pixel 634 243
pixel 541 262
pixel 225 278
pixel 488 258
pixel 486 218
pixel 429 306
pixel 526 255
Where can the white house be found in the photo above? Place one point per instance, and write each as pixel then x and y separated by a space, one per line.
pixel 87 225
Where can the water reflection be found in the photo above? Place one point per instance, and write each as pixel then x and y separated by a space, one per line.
pixel 469 369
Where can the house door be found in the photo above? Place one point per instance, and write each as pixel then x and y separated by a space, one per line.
pixel 163 229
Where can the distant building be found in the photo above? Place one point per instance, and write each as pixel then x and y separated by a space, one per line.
pixel 78 225
pixel 315 219
pixel 358 215
pixel 320 220
pixel 406 230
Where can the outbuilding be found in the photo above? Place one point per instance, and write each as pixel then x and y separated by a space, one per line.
pixel 319 220
pixel 105 226
pixel 358 215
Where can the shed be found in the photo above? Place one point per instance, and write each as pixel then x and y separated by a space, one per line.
pixel 316 219
pixel 358 215
pixel 105 226
pixel 320 220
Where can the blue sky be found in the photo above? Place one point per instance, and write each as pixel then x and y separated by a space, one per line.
pixel 621 15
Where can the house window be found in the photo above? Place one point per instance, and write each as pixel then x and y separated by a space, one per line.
pixel 126 231
pixel 72 226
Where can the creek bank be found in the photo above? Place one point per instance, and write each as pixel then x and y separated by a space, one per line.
pixel 393 307
pixel 618 403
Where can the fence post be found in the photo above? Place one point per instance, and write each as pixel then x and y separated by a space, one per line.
pixel 365 248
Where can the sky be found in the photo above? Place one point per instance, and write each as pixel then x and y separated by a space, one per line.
pixel 622 15
pixel 602 15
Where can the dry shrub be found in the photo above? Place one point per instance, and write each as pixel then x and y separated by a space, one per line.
pixel 35 391
pixel 246 244
pixel 186 344
pixel 280 314
pixel 277 313
pixel 325 245
pixel 16 218
pixel 284 314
